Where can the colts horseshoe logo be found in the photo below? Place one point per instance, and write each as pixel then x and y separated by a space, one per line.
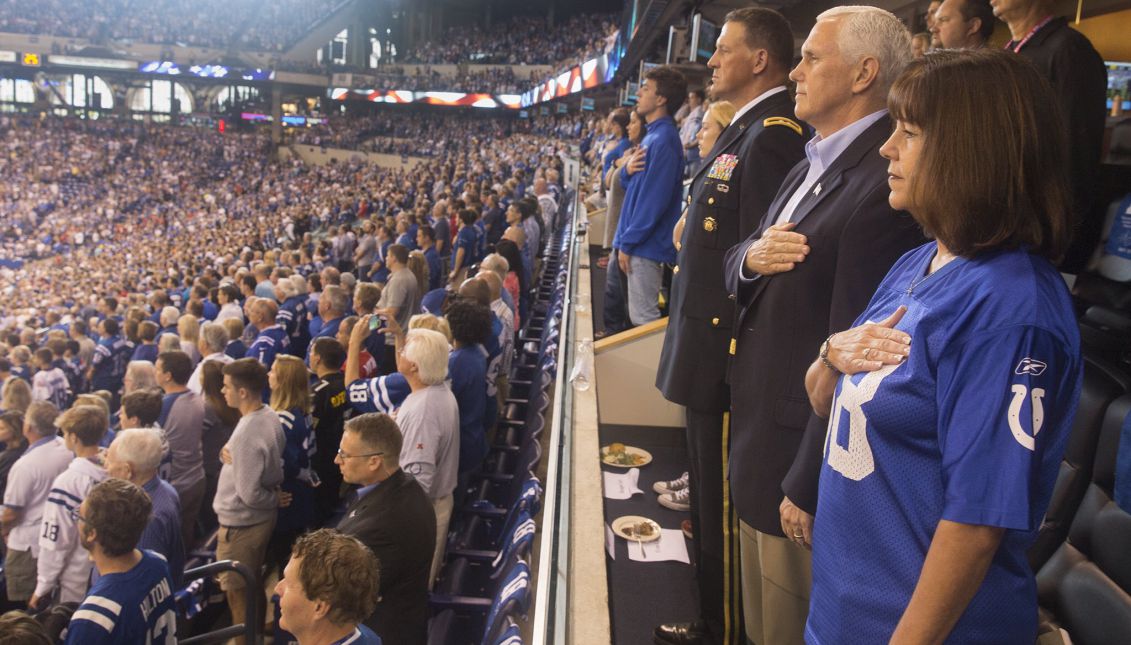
pixel 1024 438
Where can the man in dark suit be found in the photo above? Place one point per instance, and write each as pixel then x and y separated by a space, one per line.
pixel 826 241
pixel 730 192
pixel 394 518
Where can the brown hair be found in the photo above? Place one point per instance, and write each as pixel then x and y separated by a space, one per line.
pixel 993 164
pixel 18 628
pixel 340 571
pixel 87 422
pixel 248 374
pixel 670 84
pixel 765 29
pixel 118 510
pixel 211 386
pixel 143 405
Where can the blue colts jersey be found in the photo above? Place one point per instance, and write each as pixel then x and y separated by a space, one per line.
pixel 971 428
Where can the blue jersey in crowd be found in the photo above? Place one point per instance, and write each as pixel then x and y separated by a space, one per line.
pixel 380 394
pixel 297 478
pixel 971 429
pixel 467 369
pixel 652 197
pixel 111 357
pixel 468 240
pixel 292 318
pixel 270 342
pixel 131 607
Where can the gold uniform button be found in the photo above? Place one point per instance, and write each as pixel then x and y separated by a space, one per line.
pixel 709 224
pixel 715 322
pixel 710 200
pixel 689 199
pixel 675 269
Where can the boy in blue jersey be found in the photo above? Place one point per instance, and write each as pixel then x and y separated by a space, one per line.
pixel 329 587
pixel 132 602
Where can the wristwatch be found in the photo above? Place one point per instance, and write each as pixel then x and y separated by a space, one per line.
pixel 824 355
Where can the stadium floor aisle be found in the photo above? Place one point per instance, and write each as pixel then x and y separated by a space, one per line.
pixel 644 594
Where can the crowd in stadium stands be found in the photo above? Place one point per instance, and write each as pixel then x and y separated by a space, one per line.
pixel 521 41
pixel 423 134
pixel 182 281
pixel 199 23
pixel 494 80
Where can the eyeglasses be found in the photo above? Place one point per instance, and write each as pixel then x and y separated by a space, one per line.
pixel 342 455
pixel 75 516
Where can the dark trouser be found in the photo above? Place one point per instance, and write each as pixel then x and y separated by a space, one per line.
pixel 616 297
pixel 715 526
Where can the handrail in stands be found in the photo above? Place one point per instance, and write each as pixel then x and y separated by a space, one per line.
pixel 248 628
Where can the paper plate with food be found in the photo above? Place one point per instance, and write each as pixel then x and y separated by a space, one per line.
pixel 622 456
pixel 636 528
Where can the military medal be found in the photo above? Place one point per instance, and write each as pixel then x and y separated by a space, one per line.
pixel 723 167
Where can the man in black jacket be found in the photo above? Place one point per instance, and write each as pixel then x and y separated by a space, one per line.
pixel 825 243
pixel 1079 81
pixel 392 516
pixel 730 192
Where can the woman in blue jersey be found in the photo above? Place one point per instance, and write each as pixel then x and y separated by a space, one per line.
pixel 290 399
pixel 951 401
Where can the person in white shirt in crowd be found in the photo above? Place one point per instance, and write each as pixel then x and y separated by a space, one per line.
pixel 213 341
pixel 63 567
pixel 689 127
pixel 50 383
pixel 228 296
pixel 29 482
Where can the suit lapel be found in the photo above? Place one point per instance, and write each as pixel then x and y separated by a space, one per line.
pixel 833 176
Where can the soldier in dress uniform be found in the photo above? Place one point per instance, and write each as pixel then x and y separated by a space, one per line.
pixel 730 192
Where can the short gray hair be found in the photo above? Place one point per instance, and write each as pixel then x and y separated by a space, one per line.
pixel 496 263
pixel 142 448
pixel 169 316
pixel 429 351
pixel 214 336
pixel 143 375
pixel 286 287
pixel 870 31
pixel 41 417
pixel 337 298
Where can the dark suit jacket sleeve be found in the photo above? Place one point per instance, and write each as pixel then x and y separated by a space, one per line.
pixel 872 241
pixel 736 284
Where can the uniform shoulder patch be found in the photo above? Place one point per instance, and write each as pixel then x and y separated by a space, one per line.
pixel 784 121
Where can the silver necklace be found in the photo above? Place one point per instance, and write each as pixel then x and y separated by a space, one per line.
pixel 946 259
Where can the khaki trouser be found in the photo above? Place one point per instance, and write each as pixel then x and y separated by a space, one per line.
pixel 776 578
pixel 443 509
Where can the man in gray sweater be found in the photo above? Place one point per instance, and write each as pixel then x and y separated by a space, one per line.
pixel 247 498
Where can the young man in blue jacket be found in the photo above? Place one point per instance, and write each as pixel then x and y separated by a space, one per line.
pixel 653 178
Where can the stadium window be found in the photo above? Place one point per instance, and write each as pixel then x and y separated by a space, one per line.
pixel 159 97
pixel 228 96
pixel 74 90
pixel 16 90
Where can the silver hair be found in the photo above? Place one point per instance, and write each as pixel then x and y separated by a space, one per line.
pixel 496 263
pixel 299 283
pixel 429 351
pixel 337 298
pixel 286 287
pixel 214 336
pixel 142 448
pixel 143 375
pixel 169 316
pixel 872 32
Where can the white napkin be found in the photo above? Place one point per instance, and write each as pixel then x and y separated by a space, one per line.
pixel 622 486
pixel 670 546
pixel 610 542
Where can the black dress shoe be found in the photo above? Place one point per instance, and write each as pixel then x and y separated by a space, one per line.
pixel 680 634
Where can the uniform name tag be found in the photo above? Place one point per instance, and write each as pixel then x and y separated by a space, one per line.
pixel 723 167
